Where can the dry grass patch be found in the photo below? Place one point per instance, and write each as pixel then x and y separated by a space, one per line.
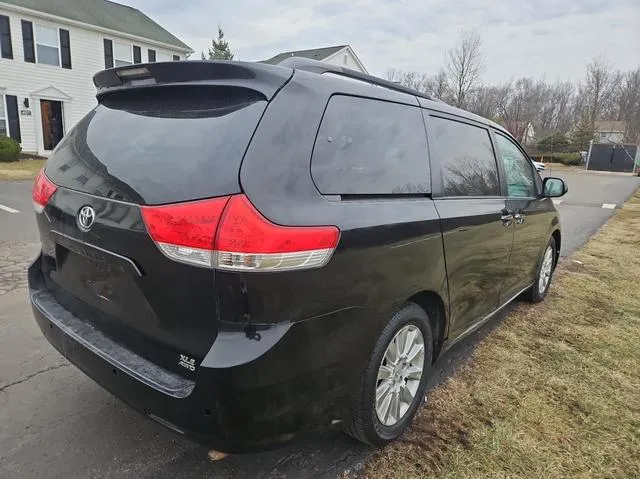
pixel 20 170
pixel 554 391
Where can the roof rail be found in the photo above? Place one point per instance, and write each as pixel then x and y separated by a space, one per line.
pixel 299 63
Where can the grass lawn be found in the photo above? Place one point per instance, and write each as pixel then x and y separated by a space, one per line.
pixel 20 170
pixel 554 391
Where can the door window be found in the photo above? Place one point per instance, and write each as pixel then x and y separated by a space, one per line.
pixel 469 165
pixel 518 169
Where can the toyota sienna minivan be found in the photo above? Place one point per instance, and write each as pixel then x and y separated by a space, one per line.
pixel 244 252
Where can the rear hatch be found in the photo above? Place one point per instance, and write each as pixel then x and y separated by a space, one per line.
pixel 140 148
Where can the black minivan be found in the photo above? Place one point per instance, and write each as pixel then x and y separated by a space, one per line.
pixel 243 252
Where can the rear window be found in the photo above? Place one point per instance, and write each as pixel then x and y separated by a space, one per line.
pixel 469 165
pixel 160 145
pixel 369 146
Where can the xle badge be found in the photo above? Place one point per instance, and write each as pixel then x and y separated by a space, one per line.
pixel 187 362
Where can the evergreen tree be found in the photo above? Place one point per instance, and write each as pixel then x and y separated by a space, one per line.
pixel 583 133
pixel 555 142
pixel 219 49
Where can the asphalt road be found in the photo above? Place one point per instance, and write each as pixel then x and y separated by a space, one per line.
pixel 55 422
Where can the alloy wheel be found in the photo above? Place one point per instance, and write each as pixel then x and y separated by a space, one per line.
pixel 399 375
pixel 545 270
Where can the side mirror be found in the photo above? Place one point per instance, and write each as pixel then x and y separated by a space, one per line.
pixel 554 187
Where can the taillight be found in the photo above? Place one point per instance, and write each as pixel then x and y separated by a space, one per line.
pixel 229 233
pixel 248 241
pixel 186 231
pixel 43 190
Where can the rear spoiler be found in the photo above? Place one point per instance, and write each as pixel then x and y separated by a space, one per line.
pixel 265 79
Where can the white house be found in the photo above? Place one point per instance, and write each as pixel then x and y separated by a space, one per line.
pixel 610 131
pixel 50 50
pixel 340 55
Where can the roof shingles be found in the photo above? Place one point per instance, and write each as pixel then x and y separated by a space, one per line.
pixel 105 14
pixel 314 53
pixel 610 126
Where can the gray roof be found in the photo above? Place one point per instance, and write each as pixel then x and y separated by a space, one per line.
pixel 314 54
pixel 610 126
pixel 105 14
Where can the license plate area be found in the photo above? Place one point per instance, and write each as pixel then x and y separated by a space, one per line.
pixel 104 260
pixel 90 278
pixel 100 279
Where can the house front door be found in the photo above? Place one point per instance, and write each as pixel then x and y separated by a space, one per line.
pixel 52 123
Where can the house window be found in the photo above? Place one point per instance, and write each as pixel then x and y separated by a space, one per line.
pixel 163 57
pixel 6 50
pixel 137 54
pixel 122 54
pixel 4 124
pixel 47 45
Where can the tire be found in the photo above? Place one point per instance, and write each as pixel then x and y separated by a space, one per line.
pixel 539 289
pixel 366 425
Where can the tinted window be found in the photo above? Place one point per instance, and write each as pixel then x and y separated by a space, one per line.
pixel 468 164
pixel 370 147
pixel 517 169
pixel 160 146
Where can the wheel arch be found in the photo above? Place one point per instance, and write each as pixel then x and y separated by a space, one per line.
pixel 434 306
pixel 557 236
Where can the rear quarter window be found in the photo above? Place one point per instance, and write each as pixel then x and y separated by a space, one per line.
pixel 369 147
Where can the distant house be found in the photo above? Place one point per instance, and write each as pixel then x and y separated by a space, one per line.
pixel 49 52
pixel 341 55
pixel 523 131
pixel 610 131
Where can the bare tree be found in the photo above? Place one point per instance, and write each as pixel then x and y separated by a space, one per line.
pixel 464 66
pixel 562 107
pixel 418 81
pixel 628 104
pixel 600 86
pixel 392 75
pixel 483 101
pixel 562 97
pixel 441 86
pixel 433 85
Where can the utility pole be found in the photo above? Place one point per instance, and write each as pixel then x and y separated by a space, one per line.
pixel 586 165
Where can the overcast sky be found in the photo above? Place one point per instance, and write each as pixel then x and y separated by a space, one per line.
pixel 550 38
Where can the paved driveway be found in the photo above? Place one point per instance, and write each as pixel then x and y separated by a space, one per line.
pixel 591 200
pixel 55 422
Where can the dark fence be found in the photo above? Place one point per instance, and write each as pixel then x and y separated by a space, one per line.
pixel 612 157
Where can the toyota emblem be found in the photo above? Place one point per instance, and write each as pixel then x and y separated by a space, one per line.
pixel 86 217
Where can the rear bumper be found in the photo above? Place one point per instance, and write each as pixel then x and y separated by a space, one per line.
pixel 251 391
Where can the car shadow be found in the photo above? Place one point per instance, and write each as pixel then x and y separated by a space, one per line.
pixel 326 456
